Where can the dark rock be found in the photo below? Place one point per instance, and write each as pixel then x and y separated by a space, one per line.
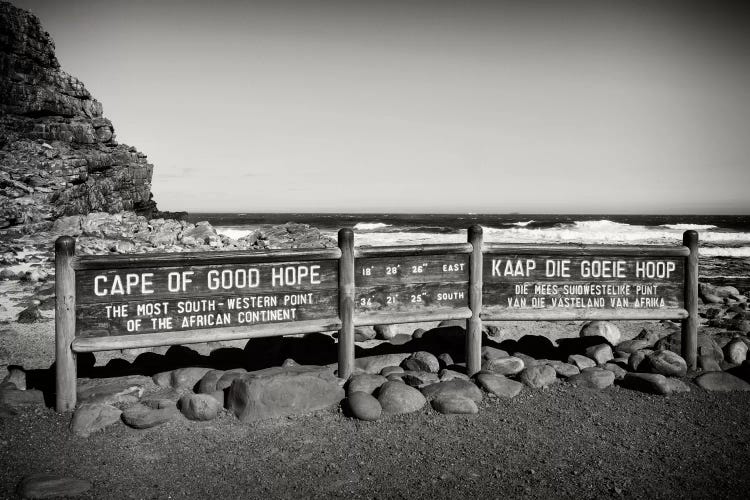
pixel 499 385
pixel 667 363
pixel 453 388
pixel 422 361
pixel 445 359
pixel 652 383
pixel 538 376
pixel 454 405
pixel 91 418
pixel 31 314
pixel 279 392
pixel 593 378
pixel 503 366
pixel 638 361
pixel 50 485
pixel 365 382
pixel 140 416
pixel 397 398
pixel 721 381
pixel 128 389
pixel 364 406
pixel 199 406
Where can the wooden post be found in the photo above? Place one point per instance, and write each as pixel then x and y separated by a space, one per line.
pixel 690 324
pixel 65 324
pixel 474 324
pixel 346 303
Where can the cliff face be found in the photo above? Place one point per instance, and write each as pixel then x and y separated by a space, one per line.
pixel 58 154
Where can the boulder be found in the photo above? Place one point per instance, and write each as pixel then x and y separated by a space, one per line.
pixel 90 418
pixel 365 382
pixel 112 390
pixel 667 363
pixel 453 388
pixel 419 379
pixel 207 384
pixel 538 376
pixel 527 360
pixel 652 383
pixel 364 406
pixel 187 378
pixel 385 332
pixel 445 360
pixel 735 351
pixel 708 364
pixel 636 360
pixel 721 381
pixel 603 329
pixel 446 374
pixel 373 364
pixel 390 370
pixel 397 398
pixel 422 361
pixel 677 385
pixel 616 369
pixel 199 406
pixel 140 416
pixel 631 346
pixel 593 378
pixel 17 399
pixel 489 352
pixel 707 346
pixel 16 376
pixel 44 485
pixel 279 392
pixel 600 353
pixel 563 369
pixel 455 405
pixel 364 333
pixel 503 366
pixel 580 361
pixel 498 385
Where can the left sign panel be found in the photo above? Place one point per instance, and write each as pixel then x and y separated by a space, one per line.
pixel 153 300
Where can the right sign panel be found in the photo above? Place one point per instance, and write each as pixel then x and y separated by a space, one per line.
pixel 581 283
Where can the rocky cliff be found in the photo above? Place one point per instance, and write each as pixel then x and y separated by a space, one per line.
pixel 58 154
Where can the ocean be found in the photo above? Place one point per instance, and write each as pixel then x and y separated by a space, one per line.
pixel 724 239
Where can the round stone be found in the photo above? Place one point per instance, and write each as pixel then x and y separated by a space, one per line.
pixel 397 398
pixel 364 406
pixel 603 329
pixel 455 405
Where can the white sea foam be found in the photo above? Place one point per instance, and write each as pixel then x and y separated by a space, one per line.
pixel 523 224
pixel 725 252
pixel 233 232
pixel 369 226
pixel 685 227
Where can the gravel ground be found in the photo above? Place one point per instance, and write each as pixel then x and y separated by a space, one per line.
pixel 562 442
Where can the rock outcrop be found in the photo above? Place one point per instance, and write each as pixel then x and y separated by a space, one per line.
pixel 58 153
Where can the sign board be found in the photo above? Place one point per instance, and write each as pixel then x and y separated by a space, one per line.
pixel 162 299
pixel 411 284
pixel 588 282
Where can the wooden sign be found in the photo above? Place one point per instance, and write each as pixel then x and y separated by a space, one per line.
pixel 161 299
pixel 411 284
pixel 515 282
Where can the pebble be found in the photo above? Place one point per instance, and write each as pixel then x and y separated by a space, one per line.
pixel 422 361
pixel 199 406
pixel 667 363
pixel 50 485
pixel 455 405
pixel 365 382
pixel 90 418
pixel 499 385
pixel 538 376
pixel 721 381
pixel 593 378
pixel 580 361
pixel 397 398
pixel 453 388
pixel 510 365
pixel 364 406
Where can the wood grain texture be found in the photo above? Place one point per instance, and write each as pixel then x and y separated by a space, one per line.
pixel 346 303
pixel 415 317
pixel 185 259
pixel 587 250
pixel 412 297
pixel 174 314
pixel 407 250
pixel 690 323
pixel 502 314
pixel 192 337
pixel 411 269
pixel 524 268
pixel 65 325
pixel 241 279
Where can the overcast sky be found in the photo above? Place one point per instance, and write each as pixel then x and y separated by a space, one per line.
pixel 565 107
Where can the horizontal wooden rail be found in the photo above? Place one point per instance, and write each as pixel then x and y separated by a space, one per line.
pixel 414 317
pixel 85 344
pixel 86 262
pixel 445 248
pixel 581 314
pixel 642 250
